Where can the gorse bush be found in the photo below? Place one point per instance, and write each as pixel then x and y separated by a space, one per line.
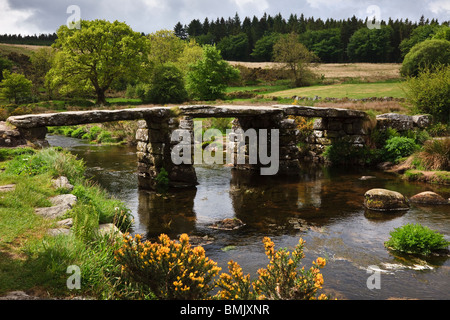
pixel 415 238
pixel 175 270
pixel 282 279
pixel 171 270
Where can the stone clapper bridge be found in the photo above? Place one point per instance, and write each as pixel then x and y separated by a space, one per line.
pixel 156 125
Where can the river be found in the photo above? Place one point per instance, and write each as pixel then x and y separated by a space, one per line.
pixel 324 207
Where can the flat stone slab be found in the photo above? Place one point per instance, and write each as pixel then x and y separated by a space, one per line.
pixel 202 111
pixel 83 117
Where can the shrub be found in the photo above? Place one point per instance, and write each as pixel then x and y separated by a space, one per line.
pixel 415 238
pixel 399 147
pixel 15 86
pixel 208 78
pixel 282 279
pixel 167 85
pixel 78 133
pixel 344 152
pixel 435 154
pixel 170 269
pixel 429 93
pixel 428 54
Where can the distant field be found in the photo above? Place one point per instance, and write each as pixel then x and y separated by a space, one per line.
pixel 6 48
pixel 353 91
pixel 366 72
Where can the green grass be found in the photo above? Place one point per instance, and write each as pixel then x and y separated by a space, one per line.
pixel 352 91
pixel 32 260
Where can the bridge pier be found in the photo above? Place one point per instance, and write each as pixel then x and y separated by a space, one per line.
pixel 154 147
pixel 286 146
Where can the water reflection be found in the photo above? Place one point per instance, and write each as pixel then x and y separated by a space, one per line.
pixel 324 206
pixel 172 213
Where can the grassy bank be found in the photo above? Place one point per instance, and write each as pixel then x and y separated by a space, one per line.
pixel 33 261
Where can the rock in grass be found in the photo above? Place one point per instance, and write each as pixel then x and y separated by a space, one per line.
pixel 60 205
pixel 428 197
pixel 385 200
pixel 62 183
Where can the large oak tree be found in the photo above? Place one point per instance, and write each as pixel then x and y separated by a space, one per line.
pixel 93 57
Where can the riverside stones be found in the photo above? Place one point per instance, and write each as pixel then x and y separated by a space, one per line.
pixel 60 205
pixel 428 197
pixel 385 200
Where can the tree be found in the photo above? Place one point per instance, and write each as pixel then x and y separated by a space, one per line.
pixel 208 78
pixel 97 54
pixel 263 50
pixel 15 86
pixel 165 47
pixel 41 63
pixel 5 64
pixel 428 54
pixel 418 35
pixel 370 45
pixel 326 44
pixel 167 85
pixel 295 57
pixel 234 47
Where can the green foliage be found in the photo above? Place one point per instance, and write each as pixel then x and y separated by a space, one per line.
pixel 234 47
pixel 99 204
pixel 167 86
pixel 426 55
pixel 208 78
pixel 370 45
pixel 419 34
pixel 263 50
pixel 164 47
pixel 8 153
pixel 415 238
pixel 295 57
pixel 93 57
pixel 51 161
pixel 429 92
pixel 15 86
pixel 399 147
pixel 344 152
pixel 326 44
pixel 162 180
pixel 5 64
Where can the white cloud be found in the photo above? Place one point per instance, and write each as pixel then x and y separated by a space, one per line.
pixel 11 21
pixel 440 6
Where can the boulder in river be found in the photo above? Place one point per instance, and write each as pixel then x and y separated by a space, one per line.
pixel 385 200
pixel 228 224
pixel 428 197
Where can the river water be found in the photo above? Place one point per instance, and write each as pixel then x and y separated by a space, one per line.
pixel 324 207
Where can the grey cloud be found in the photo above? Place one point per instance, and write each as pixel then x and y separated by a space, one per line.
pixel 151 15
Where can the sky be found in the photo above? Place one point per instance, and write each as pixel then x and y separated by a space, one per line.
pixel 45 16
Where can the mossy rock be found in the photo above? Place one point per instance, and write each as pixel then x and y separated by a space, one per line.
pixel 385 200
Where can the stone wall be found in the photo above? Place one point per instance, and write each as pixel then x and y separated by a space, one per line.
pixel 328 130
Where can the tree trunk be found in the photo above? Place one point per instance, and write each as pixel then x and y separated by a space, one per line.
pixel 101 98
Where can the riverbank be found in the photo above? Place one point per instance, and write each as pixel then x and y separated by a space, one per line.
pixel 37 248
